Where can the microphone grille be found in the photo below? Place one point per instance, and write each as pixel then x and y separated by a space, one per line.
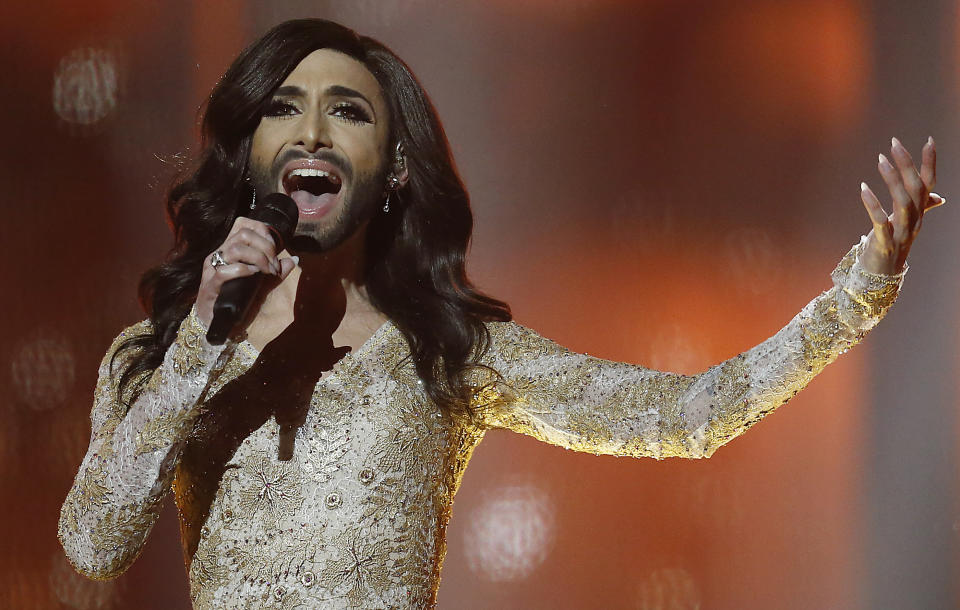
pixel 280 212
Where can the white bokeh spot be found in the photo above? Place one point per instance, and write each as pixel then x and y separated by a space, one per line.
pixel 86 86
pixel 76 591
pixel 510 534
pixel 668 589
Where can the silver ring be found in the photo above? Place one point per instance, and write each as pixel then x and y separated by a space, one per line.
pixel 217 259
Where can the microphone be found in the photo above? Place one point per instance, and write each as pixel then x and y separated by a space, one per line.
pixel 279 212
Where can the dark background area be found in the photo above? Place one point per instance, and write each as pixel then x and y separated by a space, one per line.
pixel 660 182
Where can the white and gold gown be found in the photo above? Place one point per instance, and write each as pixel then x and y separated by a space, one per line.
pixel 355 516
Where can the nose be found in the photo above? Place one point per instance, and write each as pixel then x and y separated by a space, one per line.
pixel 313 133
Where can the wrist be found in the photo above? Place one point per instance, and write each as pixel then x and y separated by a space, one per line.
pixel 863 293
pixel 878 260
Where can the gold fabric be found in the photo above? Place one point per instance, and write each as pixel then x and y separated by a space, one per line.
pixel 357 516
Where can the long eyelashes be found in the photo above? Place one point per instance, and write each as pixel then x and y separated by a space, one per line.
pixel 280 108
pixel 351 113
pixel 346 111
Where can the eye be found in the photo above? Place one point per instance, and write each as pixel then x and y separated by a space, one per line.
pixel 350 112
pixel 279 108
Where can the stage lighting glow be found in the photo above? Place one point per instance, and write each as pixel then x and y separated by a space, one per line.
pixel 86 86
pixel 752 259
pixel 674 349
pixel 76 591
pixel 373 13
pixel 43 372
pixel 24 588
pixel 668 589
pixel 510 533
pixel 67 439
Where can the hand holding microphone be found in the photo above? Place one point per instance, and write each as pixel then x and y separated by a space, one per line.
pixel 233 273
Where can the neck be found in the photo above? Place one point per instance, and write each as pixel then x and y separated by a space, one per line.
pixel 343 266
pixel 326 293
pixel 320 273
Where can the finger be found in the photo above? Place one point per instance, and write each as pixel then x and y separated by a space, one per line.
pixel 288 264
pixel 908 173
pixel 928 164
pixel 934 201
pixel 253 238
pixel 901 200
pixel 242 222
pixel 225 273
pixel 878 217
pixel 248 238
pixel 238 252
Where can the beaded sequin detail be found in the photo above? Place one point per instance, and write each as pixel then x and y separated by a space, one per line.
pixel 357 516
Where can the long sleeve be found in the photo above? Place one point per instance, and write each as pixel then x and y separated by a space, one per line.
pixel 127 471
pixel 588 404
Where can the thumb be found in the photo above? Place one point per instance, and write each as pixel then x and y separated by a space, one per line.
pixel 934 201
pixel 287 265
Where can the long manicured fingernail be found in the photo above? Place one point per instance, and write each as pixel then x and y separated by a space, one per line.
pixel 863 187
pixel 895 143
pixel 884 162
pixel 296 260
pixel 930 140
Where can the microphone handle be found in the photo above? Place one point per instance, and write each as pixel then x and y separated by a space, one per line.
pixel 279 212
pixel 231 306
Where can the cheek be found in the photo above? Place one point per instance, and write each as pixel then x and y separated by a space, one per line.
pixel 268 139
pixel 370 150
pixel 383 139
pixel 258 148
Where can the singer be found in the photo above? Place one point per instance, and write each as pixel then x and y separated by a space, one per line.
pixel 315 454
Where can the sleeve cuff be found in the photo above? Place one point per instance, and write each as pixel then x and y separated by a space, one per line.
pixel 193 352
pixel 869 294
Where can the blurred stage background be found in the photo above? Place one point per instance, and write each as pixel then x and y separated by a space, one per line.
pixel 665 182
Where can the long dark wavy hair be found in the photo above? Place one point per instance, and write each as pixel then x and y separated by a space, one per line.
pixel 415 272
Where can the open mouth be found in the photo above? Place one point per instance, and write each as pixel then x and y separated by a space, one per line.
pixel 314 190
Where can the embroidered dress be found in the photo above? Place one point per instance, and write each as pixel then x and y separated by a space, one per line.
pixel 355 515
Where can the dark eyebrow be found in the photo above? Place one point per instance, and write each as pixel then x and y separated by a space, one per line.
pixel 332 90
pixel 341 91
pixel 291 91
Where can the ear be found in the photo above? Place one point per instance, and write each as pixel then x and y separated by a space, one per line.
pixel 400 171
pixel 399 168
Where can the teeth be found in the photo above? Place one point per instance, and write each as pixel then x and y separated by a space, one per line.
pixel 315 173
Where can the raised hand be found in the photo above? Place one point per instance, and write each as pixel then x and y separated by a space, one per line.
pixel 889 242
pixel 248 249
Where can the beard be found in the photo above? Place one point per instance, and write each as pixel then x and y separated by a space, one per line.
pixel 363 195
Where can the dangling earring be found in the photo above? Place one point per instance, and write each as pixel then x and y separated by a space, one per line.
pixel 393 183
pixel 253 198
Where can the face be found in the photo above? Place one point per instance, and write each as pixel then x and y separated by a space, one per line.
pixel 324 141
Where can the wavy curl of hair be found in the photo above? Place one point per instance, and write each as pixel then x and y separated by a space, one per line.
pixel 415 271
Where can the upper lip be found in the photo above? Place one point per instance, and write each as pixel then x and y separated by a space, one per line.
pixel 308 163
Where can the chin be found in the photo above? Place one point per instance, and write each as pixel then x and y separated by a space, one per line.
pixel 323 236
pixel 306 244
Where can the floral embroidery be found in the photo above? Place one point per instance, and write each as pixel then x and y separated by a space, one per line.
pixel 359 566
pixel 188 352
pixel 358 516
pixel 272 487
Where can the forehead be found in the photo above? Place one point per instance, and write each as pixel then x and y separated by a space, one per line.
pixel 325 67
